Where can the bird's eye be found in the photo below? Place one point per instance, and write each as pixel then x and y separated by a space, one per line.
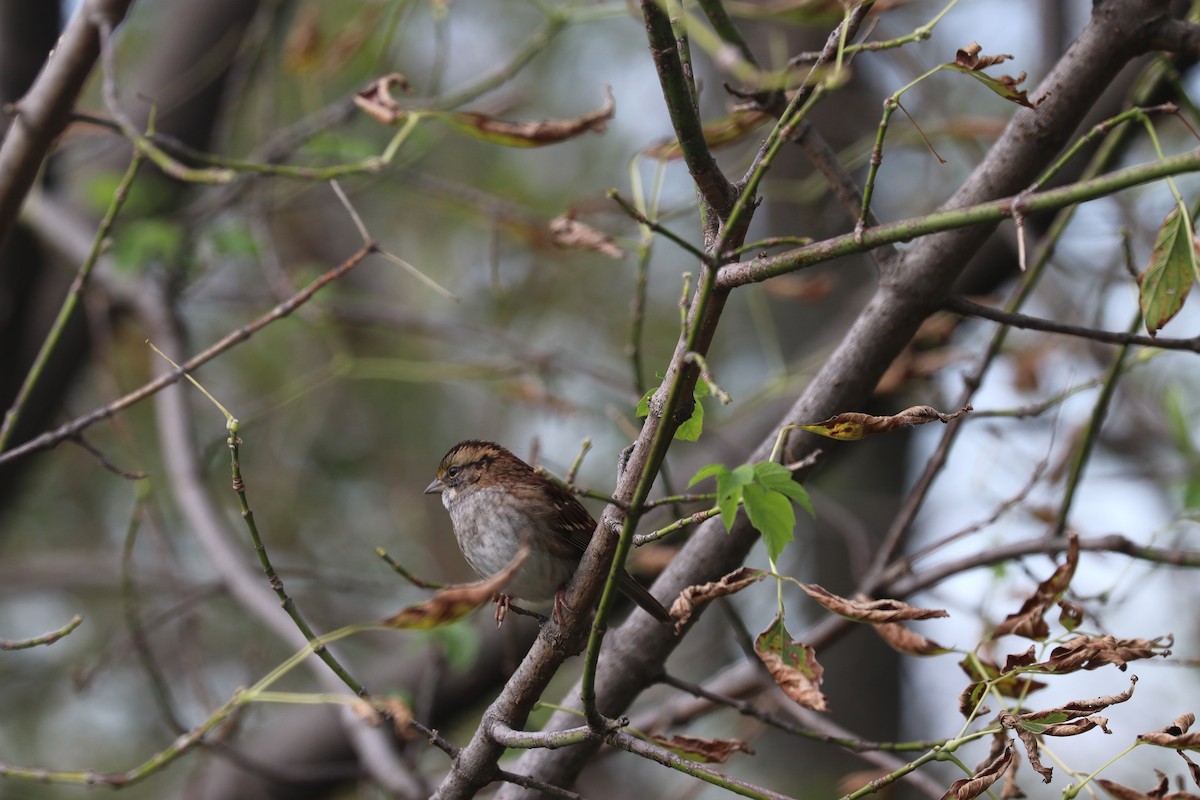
pixel 453 471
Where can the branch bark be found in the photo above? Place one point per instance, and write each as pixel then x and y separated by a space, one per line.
pixel 42 114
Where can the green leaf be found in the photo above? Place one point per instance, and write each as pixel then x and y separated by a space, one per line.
pixel 705 472
pixel 729 492
pixel 772 515
pixel 777 478
pixel 1167 279
pixel 643 406
pixel 691 429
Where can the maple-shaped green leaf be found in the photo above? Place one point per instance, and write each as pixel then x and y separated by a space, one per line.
pixel 767 491
pixel 778 478
pixel 1166 281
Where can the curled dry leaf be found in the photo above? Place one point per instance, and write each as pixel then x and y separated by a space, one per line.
pixel 534 133
pixel 903 640
pixel 703 750
pixel 1029 739
pixel 377 100
pixel 969 61
pixel 1159 792
pixel 685 605
pixel 1030 621
pixel 1180 741
pixel 571 234
pixel 969 57
pixel 968 788
pixel 1193 767
pixel 1093 652
pixel 852 425
pixel 793 665
pixel 452 603
pixel 872 611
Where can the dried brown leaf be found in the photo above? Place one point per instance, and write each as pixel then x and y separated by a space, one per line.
pixel 1029 739
pixel 969 57
pixel 1159 792
pixel 1183 741
pixel 685 605
pixel 452 603
pixel 852 425
pixel 969 61
pixel 377 100
pixel 571 234
pixel 871 611
pixel 793 665
pixel 903 640
pixel 534 133
pixel 1093 652
pixel 968 788
pixel 1015 660
pixel 1193 767
pixel 704 750
pixel 1030 620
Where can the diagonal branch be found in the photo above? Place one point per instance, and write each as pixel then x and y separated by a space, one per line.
pixel 43 113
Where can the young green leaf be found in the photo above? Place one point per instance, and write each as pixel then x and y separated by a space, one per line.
pixel 776 477
pixel 772 515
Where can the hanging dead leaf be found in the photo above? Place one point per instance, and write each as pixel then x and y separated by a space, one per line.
pixel 692 596
pixel 1029 739
pixel 968 788
pixel 1193 767
pixel 452 603
pixel 903 640
pixel 969 57
pixel 852 425
pixel 703 750
pixel 1178 741
pixel 1159 792
pixel 377 100
pixel 1093 652
pixel 1030 620
pixel 871 611
pixel 571 234
pixel 535 133
pixel 793 665
pixel 969 61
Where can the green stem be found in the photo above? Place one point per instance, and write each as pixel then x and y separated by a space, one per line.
pixel 70 302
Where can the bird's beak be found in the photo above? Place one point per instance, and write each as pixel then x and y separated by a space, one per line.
pixel 437 487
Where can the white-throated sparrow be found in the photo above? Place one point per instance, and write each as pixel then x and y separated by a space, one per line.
pixel 497 502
